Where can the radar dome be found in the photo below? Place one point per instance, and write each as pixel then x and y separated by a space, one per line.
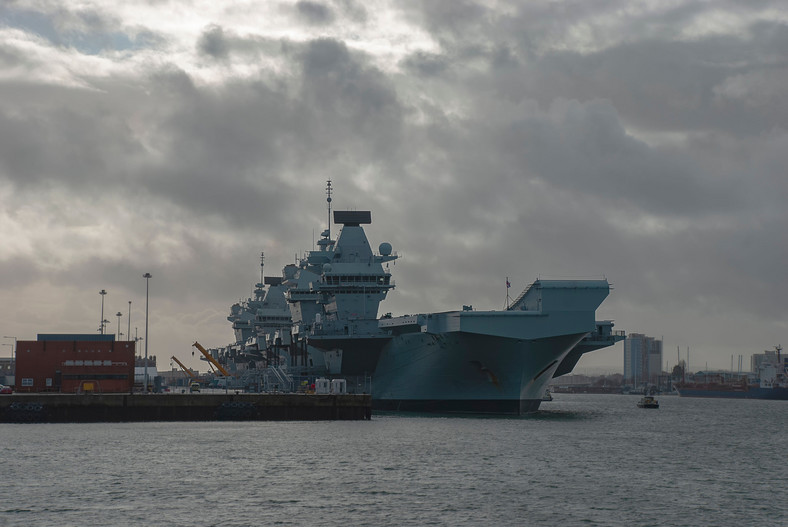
pixel 385 249
pixel 327 268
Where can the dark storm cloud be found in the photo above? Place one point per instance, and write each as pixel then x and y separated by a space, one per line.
pixel 650 84
pixel 225 150
pixel 654 80
pixel 668 85
pixel 336 102
pixel 222 44
pixel 584 147
pixel 425 64
pixel 56 142
pixel 213 43
pixel 231 150
pixel 504 148
pixel 315 13
pixel 353 10
pixel 458 20
pixel 352 104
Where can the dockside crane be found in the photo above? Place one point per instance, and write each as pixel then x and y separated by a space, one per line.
pixel 185 369
pixel 211 359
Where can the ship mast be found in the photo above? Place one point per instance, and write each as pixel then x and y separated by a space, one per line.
pixel 262 262
pixel 328 200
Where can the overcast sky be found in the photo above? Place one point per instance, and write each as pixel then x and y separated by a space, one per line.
pixel 645 142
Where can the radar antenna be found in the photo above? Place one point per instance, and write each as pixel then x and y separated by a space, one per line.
pixel 328 200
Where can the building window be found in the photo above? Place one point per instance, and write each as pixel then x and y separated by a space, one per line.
pixel 27 381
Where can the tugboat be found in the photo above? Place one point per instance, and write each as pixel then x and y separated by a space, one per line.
pixel 648 402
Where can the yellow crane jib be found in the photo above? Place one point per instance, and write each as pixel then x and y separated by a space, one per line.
pixel 184 368
pixel 211 359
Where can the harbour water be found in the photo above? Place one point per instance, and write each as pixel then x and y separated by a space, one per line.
pixel 582 459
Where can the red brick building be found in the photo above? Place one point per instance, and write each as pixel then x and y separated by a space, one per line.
pixel 74 363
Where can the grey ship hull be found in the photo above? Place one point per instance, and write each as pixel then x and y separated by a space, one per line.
pixel 471 361
pixel 467 373
pixel 350 356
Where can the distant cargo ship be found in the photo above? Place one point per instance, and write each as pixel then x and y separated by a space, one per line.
pixel 771 382
pixel 731 390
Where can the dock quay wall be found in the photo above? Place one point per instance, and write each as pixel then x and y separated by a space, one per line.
pixel 125 407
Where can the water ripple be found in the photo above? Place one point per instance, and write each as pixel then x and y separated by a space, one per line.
pixel 583 460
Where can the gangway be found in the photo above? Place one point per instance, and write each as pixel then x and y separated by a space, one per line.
pixel 211 359
pixel 282 377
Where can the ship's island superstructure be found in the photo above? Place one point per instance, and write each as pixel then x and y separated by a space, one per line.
pixel 454 361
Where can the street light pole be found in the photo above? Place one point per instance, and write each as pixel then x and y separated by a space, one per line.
pixel 137 340
pixel 118 314
pixel 101 327
pixel 147 277
pixel 128 330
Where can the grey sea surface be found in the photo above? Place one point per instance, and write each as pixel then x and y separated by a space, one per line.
pixel 581 460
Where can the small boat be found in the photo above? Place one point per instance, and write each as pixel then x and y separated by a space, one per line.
pixel 648 402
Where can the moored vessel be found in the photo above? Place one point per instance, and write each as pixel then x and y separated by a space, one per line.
pixel 454 361
pixel 769 381
pixel 466 360
pixel 731 390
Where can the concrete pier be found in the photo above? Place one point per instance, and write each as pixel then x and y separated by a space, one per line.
pixel 120 407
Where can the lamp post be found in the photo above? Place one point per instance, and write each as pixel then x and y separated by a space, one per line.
pixel 101 327
pixel 128 330
pixel 137 340
pixel 147 277
pixel 118 314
